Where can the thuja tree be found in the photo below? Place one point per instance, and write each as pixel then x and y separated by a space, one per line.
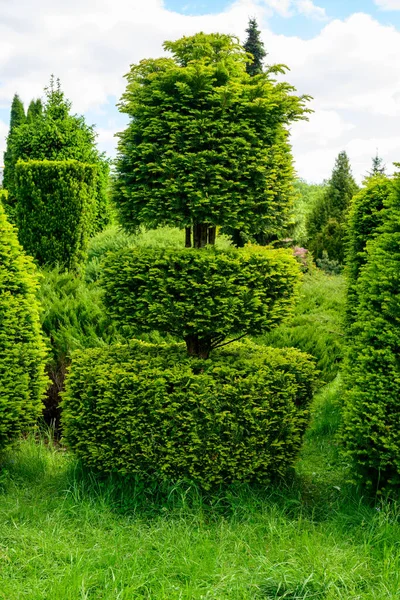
pixel 17 118
pixel 53 133
pixel 206 142
pixel 372 409
pixel 326 222
pixel 22 350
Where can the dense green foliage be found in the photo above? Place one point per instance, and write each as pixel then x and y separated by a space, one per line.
pixel 254 46
pixel 201 296
pixel 73 317
pixel 55 210
pixel 307 195
pixel 206 143
pixel 154 411
pixel 372 414
pixel 326 222
pixel 17 118
pixel 366 215
pixel 22 351
pixel 57 135
pixel 35 110
pixel 316 326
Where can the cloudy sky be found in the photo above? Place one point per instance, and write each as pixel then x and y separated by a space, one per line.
pixel 345 53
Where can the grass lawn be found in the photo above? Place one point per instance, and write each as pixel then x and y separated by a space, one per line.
pixel 66 536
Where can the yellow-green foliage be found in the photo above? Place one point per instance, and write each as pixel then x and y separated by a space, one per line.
pixel 201 296
pixel 372 412
pixel 154 411
pixel 56 208
pixel 22 380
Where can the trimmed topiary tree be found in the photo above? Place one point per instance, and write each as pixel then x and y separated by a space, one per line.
pixel 155 412
pixel 207 144
pixel 22 351
pixel 201 296
pixel 56 208
pixel 371 429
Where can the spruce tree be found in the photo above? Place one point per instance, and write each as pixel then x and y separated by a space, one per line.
pixel 17 118
pixel 255 46
pixel 378 168
pixel 326 222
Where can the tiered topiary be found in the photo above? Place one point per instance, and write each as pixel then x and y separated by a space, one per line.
pixel 201 151
pixel 371 430
pixel 55 209
pixel 22 351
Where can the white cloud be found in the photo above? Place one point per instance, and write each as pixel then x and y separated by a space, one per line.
pixel 388 4
pixel 289 8
pixel 90 44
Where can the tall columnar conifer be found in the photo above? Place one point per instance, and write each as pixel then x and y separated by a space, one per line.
pixel 17 118
pixel 35 109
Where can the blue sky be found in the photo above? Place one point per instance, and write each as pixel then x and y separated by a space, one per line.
pixel 344 53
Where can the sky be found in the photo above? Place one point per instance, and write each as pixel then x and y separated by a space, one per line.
pixel 344 53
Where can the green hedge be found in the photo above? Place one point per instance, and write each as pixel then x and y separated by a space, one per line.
pixel 22 351
pixel 201 296
pixel 371 428
pixel 153 411
pixel 56 208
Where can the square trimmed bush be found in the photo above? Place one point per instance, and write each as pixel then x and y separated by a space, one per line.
pixel 155 412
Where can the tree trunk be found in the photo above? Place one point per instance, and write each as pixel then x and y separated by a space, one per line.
pixel 188 237
pixel 198 347
pixel 237 238
pixel 212 233
pixel 200 235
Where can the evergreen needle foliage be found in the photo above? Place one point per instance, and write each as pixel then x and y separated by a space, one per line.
pixel 22 351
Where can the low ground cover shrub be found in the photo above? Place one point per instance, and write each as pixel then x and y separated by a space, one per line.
pixel 200 296
pixel 154 411
pixel 56 208
pixel 22 350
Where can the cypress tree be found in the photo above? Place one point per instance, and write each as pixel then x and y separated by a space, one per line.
pixel 35 110
pixel 17 118
pixel 255 46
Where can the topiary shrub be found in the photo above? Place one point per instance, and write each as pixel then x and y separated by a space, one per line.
pixel 371 430
pixel 56 207
pixel 22 351
pixel 156 412
pixel 201 296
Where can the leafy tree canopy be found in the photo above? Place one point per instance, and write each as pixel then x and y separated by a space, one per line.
pixel 206 142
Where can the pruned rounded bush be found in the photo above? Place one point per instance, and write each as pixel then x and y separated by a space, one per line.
pixel 56 208
pixel 201 296
pixel 155 412
pixel 22 351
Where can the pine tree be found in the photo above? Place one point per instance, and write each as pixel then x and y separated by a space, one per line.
pixel 17 118
pixel 35 110
pixel 255 46
pixel 378 168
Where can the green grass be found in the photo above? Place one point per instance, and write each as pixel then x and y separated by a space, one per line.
pixel 316 324
pixel 65 535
